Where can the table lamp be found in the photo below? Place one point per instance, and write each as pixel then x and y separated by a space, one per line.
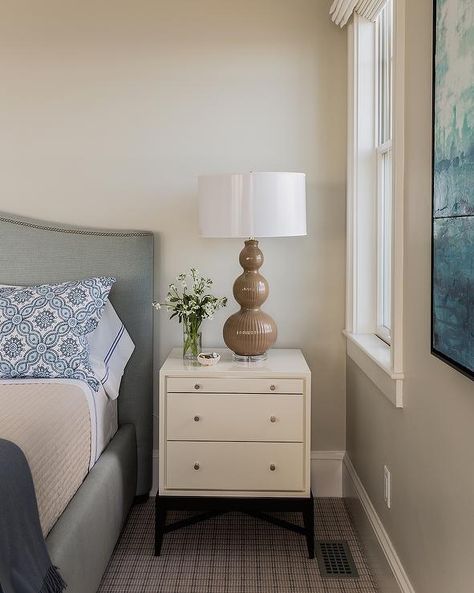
pixel 251 205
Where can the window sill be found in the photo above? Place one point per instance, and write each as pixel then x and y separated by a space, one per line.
pixel 372 355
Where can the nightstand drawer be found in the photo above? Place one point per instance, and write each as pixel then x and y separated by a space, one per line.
pixel 235 466
pixel 234 417
pixel 233 385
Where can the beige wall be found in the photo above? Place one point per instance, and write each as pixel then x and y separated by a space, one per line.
pixel 110 109
pixel 428 445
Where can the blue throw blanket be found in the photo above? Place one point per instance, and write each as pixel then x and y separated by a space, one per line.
pixel 25 566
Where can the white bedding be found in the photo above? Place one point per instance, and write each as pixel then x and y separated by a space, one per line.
pixel 102 411
pixel 62 426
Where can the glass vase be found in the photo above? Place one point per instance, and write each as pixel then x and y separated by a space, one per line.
pixel 192 340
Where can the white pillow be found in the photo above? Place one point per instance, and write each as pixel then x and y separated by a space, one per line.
pixel 110 348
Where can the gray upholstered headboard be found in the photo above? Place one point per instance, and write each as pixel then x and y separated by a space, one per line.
pixel 33 252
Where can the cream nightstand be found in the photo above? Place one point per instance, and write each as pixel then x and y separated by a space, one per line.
pixel 235 436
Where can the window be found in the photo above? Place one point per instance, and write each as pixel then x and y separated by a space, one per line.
pixel 374 312
pixel 383 105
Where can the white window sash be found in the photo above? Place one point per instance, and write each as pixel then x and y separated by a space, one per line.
pixel 375 357
pixel 383 327
pixel 381 330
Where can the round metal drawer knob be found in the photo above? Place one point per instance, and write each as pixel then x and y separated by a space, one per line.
pixel 273 419
pixel 196 466
pixel 272 387
pixel 196 418
pixel 197 386
pixel 272 467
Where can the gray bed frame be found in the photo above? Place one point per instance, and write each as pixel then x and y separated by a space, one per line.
pixel 34 252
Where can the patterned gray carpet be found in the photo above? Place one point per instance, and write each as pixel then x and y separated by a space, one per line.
pixel 233 553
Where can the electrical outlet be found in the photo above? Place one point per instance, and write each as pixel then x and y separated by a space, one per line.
pixel 387 486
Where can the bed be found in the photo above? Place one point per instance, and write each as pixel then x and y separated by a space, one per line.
pixel 82 539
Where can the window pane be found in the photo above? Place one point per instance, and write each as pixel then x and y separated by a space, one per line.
pixel 386 241
pixel 384 73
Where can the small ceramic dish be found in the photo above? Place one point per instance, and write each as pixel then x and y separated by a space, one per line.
pixel 208 359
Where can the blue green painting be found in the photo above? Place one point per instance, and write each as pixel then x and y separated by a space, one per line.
pixel 453 184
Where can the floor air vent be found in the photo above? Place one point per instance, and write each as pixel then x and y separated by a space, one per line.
pixel 335 559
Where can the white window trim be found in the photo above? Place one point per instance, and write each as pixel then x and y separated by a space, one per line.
pixel 382 363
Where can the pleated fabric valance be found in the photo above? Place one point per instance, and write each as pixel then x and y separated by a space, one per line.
pixel 342 10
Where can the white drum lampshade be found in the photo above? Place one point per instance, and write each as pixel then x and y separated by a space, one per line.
pixel 250 205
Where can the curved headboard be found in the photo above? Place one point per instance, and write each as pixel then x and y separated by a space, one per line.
pixel 34 252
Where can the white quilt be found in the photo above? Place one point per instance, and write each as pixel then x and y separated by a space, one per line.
pixel 62 426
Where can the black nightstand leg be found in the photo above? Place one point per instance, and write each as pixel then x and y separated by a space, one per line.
pixel 209 507
pixel 308 518
pixel 160 520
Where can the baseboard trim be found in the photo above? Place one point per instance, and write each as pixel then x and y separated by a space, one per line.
pixel 326 473
pixel 328 455
pixel 382 536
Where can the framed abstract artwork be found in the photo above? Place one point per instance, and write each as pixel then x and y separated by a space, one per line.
pixel 452 335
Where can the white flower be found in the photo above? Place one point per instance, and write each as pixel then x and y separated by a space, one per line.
pixel 191 302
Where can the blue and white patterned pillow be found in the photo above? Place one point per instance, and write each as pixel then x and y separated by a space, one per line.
pixel 43 329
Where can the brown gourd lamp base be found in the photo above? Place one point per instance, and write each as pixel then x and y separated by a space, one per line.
pixel 250 332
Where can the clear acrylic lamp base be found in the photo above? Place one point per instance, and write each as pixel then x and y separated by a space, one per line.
pixel 252 358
